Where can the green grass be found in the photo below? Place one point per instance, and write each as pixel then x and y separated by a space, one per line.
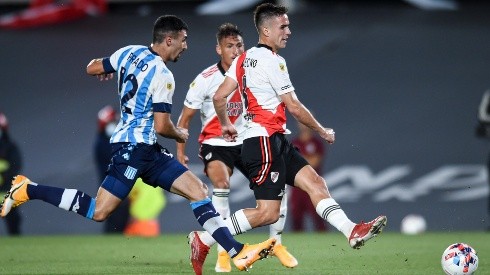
pixel 329 253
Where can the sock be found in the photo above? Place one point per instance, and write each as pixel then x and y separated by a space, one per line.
pixel 215 226
pixel 275 229
pixel 236 224
pixel 220 202
pixel 68 199
pixel 330 211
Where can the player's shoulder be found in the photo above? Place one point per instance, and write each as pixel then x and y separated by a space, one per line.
pixel 209 71
pixel 131 48
pixel 265 55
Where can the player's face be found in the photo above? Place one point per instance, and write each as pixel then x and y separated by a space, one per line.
pixel 178 45
pixel 279 31
pixel 229 48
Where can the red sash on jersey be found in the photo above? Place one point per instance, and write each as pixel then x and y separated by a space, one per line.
pixel 213 128
pixel 272 122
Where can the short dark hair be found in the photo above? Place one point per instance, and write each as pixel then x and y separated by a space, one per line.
pixel 266 11
pixel 167 25
pixel 227 29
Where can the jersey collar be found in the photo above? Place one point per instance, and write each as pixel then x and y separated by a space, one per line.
pixel 264 46
pixel 221 69
pixel 152 51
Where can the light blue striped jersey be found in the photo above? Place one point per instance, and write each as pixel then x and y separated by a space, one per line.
pixel 145 85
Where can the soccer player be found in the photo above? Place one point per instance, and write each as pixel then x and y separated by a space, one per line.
pixel 271 161
pixel 146 87
pixel 219 156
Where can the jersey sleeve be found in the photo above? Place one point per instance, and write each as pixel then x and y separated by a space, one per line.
pixel 197 93
pixel 163 92
pixel 112 63
pixel 278 75
pixel 232 70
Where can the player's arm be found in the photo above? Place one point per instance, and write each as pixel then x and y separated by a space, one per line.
pixel 303 115
pixel 96 68
pixel 184 119
pixel 166 128
pixel 219 101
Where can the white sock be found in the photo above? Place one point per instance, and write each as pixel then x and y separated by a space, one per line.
pixel 222 205
pixel 236 223
pixel 275 229
pixel 330 211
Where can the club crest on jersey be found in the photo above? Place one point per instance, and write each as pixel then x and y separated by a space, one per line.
pixel 130 172
pixel 208 156
pixel 274 176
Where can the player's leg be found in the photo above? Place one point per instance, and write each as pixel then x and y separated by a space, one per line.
pixel 275 231
pixel 243 220
pixel 73 200
pixel 219 174
pixel 257 155
pixel 172 176
pixel 189 186
pixel 309 181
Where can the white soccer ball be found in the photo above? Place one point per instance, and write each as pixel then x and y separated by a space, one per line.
pixel 459 259
pixel 413 224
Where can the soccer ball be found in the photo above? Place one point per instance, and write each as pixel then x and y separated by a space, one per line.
pixel 413 224
pixel 459 259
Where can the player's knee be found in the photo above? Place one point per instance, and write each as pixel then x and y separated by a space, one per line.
pixel 198 192
pixel 268 216
pixel 317 186
pixel 222 184
pixel 100 216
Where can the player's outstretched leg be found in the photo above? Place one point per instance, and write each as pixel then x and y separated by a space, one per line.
pixel 16 196
pixel 362 232
pixel 24 189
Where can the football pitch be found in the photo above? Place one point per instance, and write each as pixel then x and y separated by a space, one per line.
pixel 327 253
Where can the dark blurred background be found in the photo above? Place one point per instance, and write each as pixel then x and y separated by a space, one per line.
pixel 399 82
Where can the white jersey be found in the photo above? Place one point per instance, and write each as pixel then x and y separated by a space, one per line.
pixel 145 85
pixel 200 96
pixel 262 76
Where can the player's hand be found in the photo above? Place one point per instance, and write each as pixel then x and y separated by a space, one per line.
pixel 229 132
pixel 183 159
pixel 328 134
pixel 183 135
pixel 103 77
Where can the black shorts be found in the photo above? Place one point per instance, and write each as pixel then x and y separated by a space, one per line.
pixel 229 155
pixel 272 162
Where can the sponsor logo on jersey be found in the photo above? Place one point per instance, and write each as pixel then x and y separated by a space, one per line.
pixel 208 156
